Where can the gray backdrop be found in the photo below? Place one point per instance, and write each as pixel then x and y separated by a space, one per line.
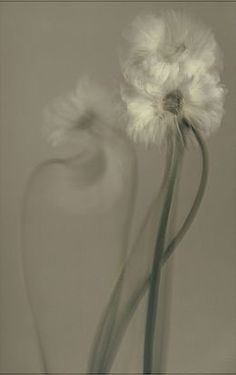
pixel 44 49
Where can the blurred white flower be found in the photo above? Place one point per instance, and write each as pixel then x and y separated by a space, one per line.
pixel 168 46
pixel 171 73
pixel 155 111
pixel 86 107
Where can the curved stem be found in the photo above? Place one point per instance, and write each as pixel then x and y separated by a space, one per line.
pixel 197 201
pixel 156 267
pixel 131 306
pixel 106 329
pixel 140 291
pixel 41 350
pixel 99 349
pixel 124 322
pixel 101 342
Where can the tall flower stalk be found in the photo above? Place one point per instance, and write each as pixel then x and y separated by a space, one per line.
pixel 173 96
pixel 104 351
pixel 172 93
pixel 158 254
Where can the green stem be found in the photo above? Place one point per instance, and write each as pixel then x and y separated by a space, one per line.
pixel 103 335
pixel 106 329
pixel 158 253
pixel 131 306
pixel 197 201
pixel 137 296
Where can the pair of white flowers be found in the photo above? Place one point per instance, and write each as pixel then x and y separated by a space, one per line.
pixel 171 72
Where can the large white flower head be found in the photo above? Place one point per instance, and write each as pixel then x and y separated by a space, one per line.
pixel 88 107
pixel 155 112
pixel 171 74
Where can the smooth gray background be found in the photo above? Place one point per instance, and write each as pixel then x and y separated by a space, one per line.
pixel 44 49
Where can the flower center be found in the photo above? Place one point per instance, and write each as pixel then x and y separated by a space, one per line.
pixel 85 121
pixel 173 102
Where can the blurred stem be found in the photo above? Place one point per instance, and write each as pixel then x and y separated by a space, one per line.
pixel 42 351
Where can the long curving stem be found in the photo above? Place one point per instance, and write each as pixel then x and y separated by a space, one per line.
pixel 38 336
pixel 197 200
pixel 131 306
pixel 153 298
pixel 107 327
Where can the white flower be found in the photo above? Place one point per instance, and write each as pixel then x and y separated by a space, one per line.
pixel 171 73
pixel 168 46
pixel 156 111
pixel 69 117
